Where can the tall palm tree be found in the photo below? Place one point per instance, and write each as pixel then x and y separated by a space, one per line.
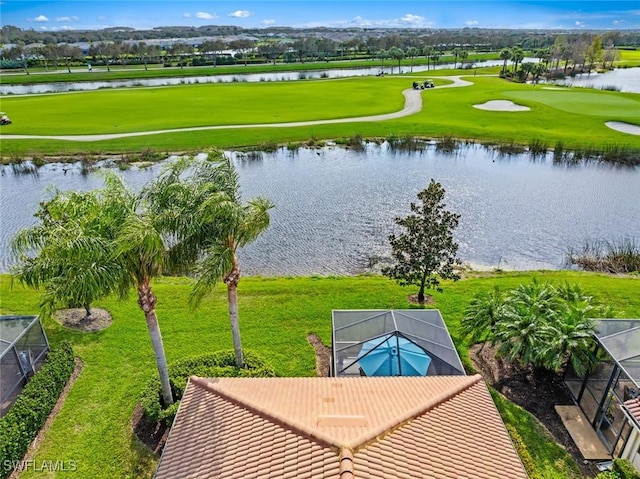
pixel 456 53
pixel 234 226
pixel 516 56
pixel 397 54
pixel 428 51
pixel 200 201
pixel 505 54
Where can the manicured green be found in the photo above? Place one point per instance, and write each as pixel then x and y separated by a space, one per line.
pixel 94 426
pixel 144 109
pixel 576 118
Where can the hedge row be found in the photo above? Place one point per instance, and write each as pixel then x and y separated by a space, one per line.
pixel 214 365
pixel 34 404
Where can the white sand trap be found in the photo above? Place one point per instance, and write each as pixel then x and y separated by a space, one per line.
pixel 501 105
pixel 624 127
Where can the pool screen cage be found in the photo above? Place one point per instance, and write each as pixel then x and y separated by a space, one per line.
pixel 357 332
pixel 23 349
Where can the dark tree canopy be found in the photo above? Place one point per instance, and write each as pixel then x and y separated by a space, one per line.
pixel 426 251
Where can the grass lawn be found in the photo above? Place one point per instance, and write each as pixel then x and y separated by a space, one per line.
pixel 94 426
pixel 574 117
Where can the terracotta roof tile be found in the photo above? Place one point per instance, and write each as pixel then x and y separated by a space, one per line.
pixel 397 427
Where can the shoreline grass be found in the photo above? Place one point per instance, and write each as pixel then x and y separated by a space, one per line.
pixel 94 426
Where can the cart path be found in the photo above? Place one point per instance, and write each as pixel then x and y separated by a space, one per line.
pixel 412 105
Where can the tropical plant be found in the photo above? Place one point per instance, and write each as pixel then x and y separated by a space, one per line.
pixel 482 315
pixel 67 253
pixel 426 251
pixel 505 54
pixel 517 55
pixel 397 54
pixel 456 53
pixel 200 201
pixel 94 243
pixel 537 324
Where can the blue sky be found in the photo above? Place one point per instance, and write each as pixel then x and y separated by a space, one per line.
pixel 141 14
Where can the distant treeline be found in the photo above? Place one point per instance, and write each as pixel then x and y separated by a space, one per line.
pixel 359 38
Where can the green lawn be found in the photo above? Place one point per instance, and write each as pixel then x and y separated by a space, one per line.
pixel 276 314
pixel 574 117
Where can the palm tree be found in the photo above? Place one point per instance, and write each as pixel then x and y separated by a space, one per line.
pixel 505 55
pixel 456 53
pixel 68 252
pixel 397 54
pixel 428 52
pixel 463 56
pixel 516 56
pixel 200 201
pixel 412 52
pixel 234 225
pixel 527 308
pixel 91 244
pixel 481 317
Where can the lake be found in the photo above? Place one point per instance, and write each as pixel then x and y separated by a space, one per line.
pixel 624 79
pixel 61 87
pixel 335 207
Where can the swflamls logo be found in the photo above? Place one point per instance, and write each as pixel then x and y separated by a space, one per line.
pixel 40 466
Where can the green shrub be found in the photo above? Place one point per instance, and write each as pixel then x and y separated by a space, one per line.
pixel 34 404
pixel 625 469
pixel 608 475
pixel 219 364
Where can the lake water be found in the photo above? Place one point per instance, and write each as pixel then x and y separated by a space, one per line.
pixel 61 87
pixel 335 207
pixel 625 79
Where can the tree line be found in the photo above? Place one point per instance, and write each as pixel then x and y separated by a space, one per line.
pixel 567 53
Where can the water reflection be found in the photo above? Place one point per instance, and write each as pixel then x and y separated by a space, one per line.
pixel 622 79
pixel 335 207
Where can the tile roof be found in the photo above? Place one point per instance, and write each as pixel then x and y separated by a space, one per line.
pixel 360 428
pixel 633 406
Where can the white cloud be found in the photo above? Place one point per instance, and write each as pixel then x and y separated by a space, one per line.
pixel 580 24
pixel 411 18
pixel 471 23
pixel 39 19
pixel 67 19
pixel 266 23
pixel 206 16
pixel 186 15
pixel 241 14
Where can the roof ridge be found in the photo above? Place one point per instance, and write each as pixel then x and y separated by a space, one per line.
pixel 346 469
pixel 309 433
pixel 396 423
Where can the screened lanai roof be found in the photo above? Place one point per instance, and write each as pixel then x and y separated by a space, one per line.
pixel 355 331
pixel 621 339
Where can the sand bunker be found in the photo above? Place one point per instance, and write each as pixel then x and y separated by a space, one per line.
pixel 624 127
pixel 501 105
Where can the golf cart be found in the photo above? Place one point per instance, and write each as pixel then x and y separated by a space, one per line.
pixel 4 119
pixel 425 84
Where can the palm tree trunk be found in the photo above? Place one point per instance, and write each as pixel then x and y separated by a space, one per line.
pixel 147 302
pixel 232 279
